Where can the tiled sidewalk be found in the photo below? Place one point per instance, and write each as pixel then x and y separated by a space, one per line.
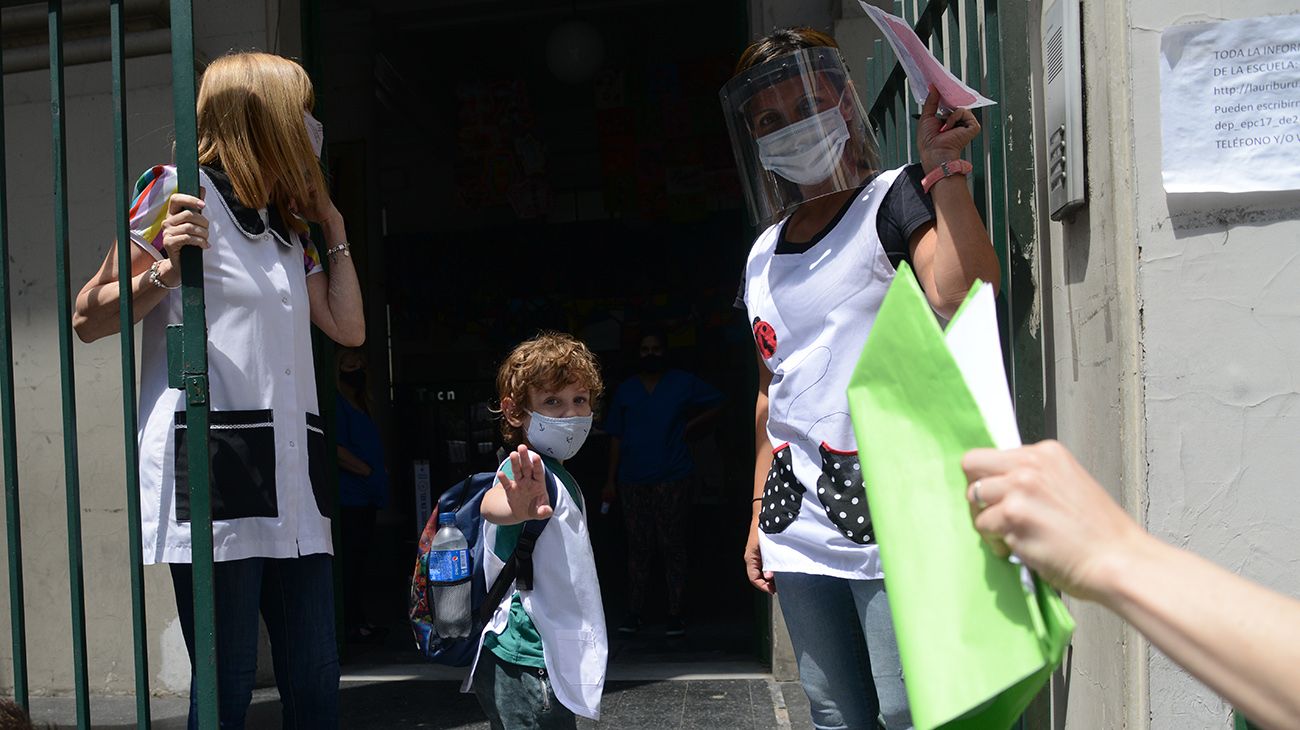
pixel 707 704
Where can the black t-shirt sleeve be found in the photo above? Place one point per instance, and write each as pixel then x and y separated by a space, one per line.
pixel 905 209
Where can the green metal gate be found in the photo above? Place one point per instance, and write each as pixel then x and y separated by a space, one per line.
pixel 187 369
pixel 967 35
pixel 187 351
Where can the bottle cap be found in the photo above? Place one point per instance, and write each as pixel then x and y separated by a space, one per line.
pixel 446 518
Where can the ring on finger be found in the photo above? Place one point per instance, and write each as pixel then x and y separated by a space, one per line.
pixel 975 492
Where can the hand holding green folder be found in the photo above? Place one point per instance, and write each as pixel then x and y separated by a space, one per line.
pixel 978 635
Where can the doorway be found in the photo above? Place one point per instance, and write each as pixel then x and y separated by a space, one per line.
pixel 550 165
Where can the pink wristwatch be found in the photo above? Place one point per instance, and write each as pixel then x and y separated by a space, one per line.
pixel 945 169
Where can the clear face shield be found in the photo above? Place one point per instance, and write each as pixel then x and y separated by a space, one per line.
pixel 798 130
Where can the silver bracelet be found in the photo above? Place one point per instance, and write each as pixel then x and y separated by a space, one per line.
pixel 341 248
pixel 156 279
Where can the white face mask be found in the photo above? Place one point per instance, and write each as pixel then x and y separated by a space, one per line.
pixel 558 438
pixel 807 151
pixel 315 132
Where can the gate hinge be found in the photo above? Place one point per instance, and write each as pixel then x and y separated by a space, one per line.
pixel 196 389
pixel 195 385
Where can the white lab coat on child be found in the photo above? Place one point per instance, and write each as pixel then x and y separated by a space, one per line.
pixel 564 605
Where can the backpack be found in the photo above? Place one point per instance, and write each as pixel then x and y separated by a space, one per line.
pixel 465 499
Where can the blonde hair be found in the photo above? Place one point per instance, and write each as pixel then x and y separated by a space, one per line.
pixel 549 360
pixel 250 121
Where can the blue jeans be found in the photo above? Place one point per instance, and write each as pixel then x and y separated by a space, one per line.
pixel 516 697
pixel 296 599
pixel 844 643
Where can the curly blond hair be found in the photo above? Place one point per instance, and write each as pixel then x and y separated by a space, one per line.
pixel 549 360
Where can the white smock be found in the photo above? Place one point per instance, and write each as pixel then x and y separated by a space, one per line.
pixel 564 604
pixel 811 313
pixel 267 441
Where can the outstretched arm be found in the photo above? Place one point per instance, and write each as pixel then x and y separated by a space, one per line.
pixel 1240 639
pixel 521 495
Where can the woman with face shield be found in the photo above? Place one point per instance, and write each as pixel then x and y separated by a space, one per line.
pixel 837 227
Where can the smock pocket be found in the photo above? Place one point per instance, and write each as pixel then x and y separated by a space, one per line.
pixel 241 447
pixel 318 463
pixel 782 494
pixel 588 670
pixel 841 491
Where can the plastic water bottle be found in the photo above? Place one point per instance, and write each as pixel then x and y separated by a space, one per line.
pixel 449 584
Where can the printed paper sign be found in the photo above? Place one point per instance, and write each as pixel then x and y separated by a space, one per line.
pixel 921 67
pixel 1230 105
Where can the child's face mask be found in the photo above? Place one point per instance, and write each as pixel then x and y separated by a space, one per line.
pixel 558 438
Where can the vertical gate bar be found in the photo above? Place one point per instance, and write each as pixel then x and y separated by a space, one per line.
pixel 127 336
pixel 1022 222
pixel 877 71
pixel 901 125
pixel 952 32
pixel 13 523
pixel 194 370
pixel 323 348
pixel 974 65
pixel 1000 232
pixel 938 40
pixel 875 75
pixel 62 290
pixel 907 11
pixel 889 130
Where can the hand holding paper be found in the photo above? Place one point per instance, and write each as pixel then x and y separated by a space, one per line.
pixel 922 68
pixel 1236 636
pixel 941 140
pixel 1064 525
pixel 975 644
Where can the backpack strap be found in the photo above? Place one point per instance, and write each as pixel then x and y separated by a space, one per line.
pixel 519 568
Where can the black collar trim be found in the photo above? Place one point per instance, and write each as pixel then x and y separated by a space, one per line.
pixel 249 220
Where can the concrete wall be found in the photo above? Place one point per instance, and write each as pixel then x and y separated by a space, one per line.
pixel 1220 329
pixel 1092 358
pixel 222 25
pixel 1173 340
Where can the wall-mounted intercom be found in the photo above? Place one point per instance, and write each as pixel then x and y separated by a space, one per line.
pixel 1063 99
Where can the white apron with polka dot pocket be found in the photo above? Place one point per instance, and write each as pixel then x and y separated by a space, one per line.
pixel 818 307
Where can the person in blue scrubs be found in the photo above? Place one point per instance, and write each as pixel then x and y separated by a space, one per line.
pixel 649 421
pixel 363 488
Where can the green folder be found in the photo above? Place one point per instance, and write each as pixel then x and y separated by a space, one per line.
pixel 978 635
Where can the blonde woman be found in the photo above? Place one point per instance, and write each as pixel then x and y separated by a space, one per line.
pixel 265 287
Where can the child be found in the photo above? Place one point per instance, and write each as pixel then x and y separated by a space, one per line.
pixel 542 655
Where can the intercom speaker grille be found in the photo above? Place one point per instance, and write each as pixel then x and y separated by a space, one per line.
pixel 1055 56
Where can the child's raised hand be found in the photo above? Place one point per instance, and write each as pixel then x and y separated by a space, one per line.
pixel 526 493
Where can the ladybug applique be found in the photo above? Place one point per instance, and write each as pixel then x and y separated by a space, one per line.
pixel 765 338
